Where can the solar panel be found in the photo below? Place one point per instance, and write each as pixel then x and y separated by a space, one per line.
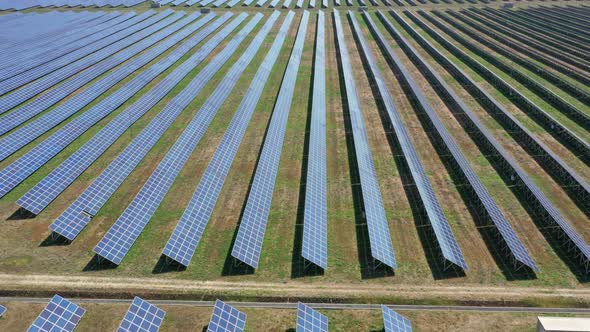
pixel 38 197
pixel 19 170
pixel 78 215
pixel 142 316
pixel 309 320
pixel 121 236
pixel 60 315
pixel 69 64
pixel 395 322
pixel 516 247
pixel 315 224
pixel 226 318
pixel 2 310
pixel 187 234
pixel 379 237
pixel 551 213
pixel 253 225
pixel 50 97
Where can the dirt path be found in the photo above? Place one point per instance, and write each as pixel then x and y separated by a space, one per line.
pixel 161 288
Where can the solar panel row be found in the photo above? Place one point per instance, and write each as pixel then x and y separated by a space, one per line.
pixel 517 248
pixel 395 322
pixel 26 4
pixel 78 215
pixel 226 318
pixel 121 236
pixel 187 234
pixel 309 320
pixel 253 225
pixel 60 315
pixel 551 213
pixel 315 220
pixel 73 62
pixel 142 316
pixel 379 236
pixel 23 167
pixel 79 81
pixel 38 197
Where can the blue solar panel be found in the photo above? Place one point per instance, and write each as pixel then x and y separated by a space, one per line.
pixel 379 237
pixel 77 216
pixel 315 223
pixel 552 212
pixel 19 170
pixel 226 318
pixel 119 239
pixel 187 234
pixel 38 197
pixel 57 70
pixel 51 97
pixel 2 310
pixel 395 322
pixel 60 315
pixel 309 320
pixel 142 316
pixel 516 247
pixel 251 232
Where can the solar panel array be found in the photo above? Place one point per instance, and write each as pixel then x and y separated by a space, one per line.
pixel 38 197
pixel 142 316
pixel 27 4
pixel 121 236
pixel 315 220
pixel 54 95
pixel 77 216
pixel 60 315
pixel 517 248
pixel 379 236
pixel 51 73
pixel 248 243
pixel 395 322
pixel 549 209
pixel 226 318
pixel 23 167
pixel 186 236
pixel 309 320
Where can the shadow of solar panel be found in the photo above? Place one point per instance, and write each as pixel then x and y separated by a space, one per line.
pixel 187 234
pixel 60 315
pixel 379 236
pixel 309 320
pixel 226 318
pixel 395 322
pixel 315 248
pixel 253 225
pixel 121 236
pixel 2 310
pixel 142 316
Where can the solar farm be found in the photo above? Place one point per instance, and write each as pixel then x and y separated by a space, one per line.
pixel 288 155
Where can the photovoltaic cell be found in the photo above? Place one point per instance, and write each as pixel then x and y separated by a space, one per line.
pixel 226 318
pixel 309 320
pixel 395 322
pixel 78 215
pixel 2 310
pixel 251 232
pixel 315 248
pixel 142 316
pixel 379 236
pixel 60 315
pixel 187 234
pixel 121 236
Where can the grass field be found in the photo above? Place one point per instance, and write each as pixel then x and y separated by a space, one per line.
pixel 25 248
